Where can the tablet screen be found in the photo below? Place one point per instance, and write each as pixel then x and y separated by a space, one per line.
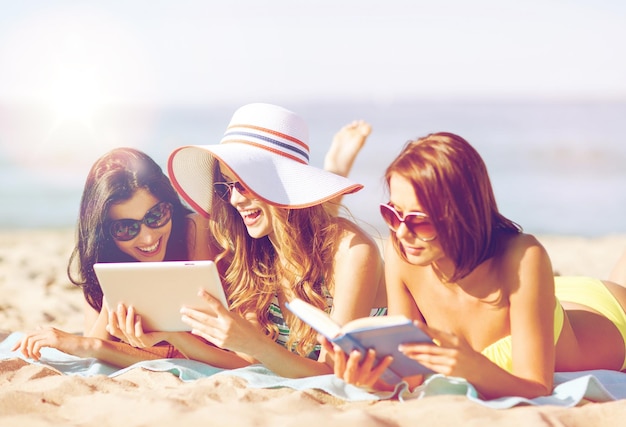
pixel 158 290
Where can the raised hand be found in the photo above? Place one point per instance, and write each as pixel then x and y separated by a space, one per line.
pixel 221 327
pixel 452 356
pixel 355 369
pixel 126 325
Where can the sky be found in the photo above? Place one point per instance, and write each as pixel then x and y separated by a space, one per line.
pixel 66 65
pixel 76 56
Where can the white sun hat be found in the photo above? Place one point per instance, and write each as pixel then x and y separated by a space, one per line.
pixel 266 148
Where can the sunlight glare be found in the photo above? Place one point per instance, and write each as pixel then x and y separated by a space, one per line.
pixel 75 91
pixel 74 96
pixel 75 77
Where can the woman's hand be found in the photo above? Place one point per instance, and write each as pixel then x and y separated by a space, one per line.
pixel 221 327
pixel 31 344
pixel 126 325
pixel 355 369
pixel 451 357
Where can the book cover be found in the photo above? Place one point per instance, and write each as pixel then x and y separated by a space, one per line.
pixel 383 334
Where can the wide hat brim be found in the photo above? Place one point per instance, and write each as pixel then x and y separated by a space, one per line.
pixel 272 178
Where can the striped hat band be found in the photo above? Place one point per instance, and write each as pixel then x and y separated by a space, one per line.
pixel 275 142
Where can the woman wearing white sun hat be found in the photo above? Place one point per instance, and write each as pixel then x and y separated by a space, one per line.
pixel 278 240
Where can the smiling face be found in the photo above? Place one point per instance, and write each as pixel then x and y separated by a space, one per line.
pixel 150 244
pixel 256 214
pixel 403 199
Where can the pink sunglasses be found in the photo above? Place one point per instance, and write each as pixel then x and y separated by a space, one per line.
pixel 416 222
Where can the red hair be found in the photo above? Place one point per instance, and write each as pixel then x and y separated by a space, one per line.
pixel 451 183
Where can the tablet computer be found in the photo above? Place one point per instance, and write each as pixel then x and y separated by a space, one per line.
pixel 158 290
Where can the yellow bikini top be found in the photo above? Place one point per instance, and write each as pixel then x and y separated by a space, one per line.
pixel 501 351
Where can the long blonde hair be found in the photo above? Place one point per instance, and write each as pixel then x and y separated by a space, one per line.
pixel 307 238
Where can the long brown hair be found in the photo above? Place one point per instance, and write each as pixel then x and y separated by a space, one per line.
pixel 452 184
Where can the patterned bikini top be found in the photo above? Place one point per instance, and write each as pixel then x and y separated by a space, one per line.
pixel 276 316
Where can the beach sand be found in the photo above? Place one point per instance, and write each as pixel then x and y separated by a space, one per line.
pixel 34 290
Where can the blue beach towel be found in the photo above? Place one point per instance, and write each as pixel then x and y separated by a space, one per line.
pixel 571 388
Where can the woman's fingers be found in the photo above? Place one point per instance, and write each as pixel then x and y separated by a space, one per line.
pixel 139 332
pixel 213 302
pixel 371 372
pixel 125 324
pixel 190 315
pixel 381 367
pixel 134 327
pixel 205 325
pixel 339 360
pixel 214 309
pixel 444 358
pixel 443 339
pixel 31 344
pixel 35 350
pixel 362 371
pixel 197 319
pixel 127 320
pixel 25 346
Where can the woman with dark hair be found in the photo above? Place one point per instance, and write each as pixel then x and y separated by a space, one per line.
pixel 480 287
pixel 113 180
pixel 130 212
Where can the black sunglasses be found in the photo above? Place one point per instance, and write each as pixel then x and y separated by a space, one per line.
pixel 223 189
pixel 127 229
pixel 417 222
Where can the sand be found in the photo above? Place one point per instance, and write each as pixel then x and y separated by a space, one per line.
pixel 34 290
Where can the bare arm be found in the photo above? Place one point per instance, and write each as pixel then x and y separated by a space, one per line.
pixel 284 362
pixel 196 349
pixel 532 306
pixel 245 339
pixel 98 328
pixel 126 325
pixel 90 316
pixel 527 268
pixel 532 322
pixel 112 352
pixel 358 277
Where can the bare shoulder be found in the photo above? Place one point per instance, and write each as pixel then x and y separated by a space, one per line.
pixel 201 245
pixel 524 248
pixel 351 235
pixel 354 242
pixel 357 273
pixel 526 260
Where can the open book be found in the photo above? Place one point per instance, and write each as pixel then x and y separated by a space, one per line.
pixel 382 333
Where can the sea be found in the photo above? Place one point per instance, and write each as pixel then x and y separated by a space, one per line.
pixel 557 167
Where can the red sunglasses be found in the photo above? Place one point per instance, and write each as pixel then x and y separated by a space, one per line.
pixel 416 222
pixel 224 189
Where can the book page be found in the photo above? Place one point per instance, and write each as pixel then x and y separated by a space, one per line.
pixel 374 321
pixel 316 318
